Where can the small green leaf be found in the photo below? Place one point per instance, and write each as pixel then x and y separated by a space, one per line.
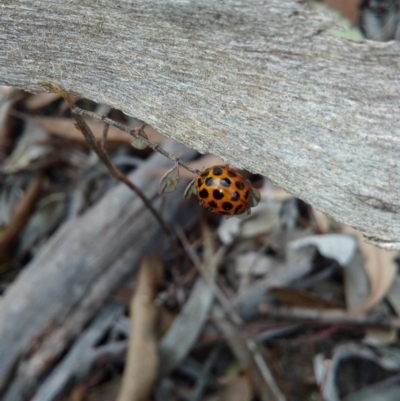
pixel 190 189
pixel 255 197
pixel 169 181
pixel 243 215
pixel 137 143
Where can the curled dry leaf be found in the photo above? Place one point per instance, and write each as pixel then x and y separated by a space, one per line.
pixel 339 247
pixel 169 181
pixel 380 267
pixel 347 357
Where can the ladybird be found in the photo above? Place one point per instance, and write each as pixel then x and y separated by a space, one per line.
pixel 223 190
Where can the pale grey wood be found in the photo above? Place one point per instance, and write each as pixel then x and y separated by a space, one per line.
pixel 261 83
pixel 67 282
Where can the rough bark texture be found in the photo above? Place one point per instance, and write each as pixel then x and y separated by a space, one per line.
pixel 262 84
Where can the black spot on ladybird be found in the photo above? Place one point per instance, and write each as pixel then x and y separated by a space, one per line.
pixel 225 182
pixel 231 173
pixel 217 194
pixel 239 185
pixel 217 170
pixel 203 193
pixel 238 209
pixel 227 206
pixel 235 197
pixel 213 204
pixel 210 181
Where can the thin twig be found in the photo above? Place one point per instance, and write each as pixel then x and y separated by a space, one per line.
pixel 105 133
pixel 205 374
pixel 135 132
pixel 222 299
pixel 115 172
pixel 331 316
pixel 251 346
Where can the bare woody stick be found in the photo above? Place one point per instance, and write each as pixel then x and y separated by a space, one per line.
pixel 103 156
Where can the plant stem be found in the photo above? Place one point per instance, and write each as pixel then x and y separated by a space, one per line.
pixel 135 132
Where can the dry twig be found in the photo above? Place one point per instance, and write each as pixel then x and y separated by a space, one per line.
pixel 331 316
pixel 136 133
pixel 246 351
pixel 115 172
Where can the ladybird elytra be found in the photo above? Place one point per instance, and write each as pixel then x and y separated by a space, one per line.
pixel 222 190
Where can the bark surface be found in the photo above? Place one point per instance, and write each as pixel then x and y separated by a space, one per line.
pixel 263 84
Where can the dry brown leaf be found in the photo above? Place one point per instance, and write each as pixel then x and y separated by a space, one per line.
pixel 18 220
pixel 380 267
pixel 40 100
pixel 7 120
pixel 290 296
pixel 65 128
pixel 141 369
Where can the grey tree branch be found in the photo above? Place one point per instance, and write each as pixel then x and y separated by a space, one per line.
pixel 262 84
pixel 72 275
